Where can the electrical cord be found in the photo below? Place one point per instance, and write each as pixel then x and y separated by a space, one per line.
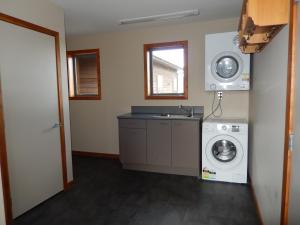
pixel 219 106
pixel 215 109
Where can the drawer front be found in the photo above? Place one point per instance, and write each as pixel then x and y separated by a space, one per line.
pixel 132 123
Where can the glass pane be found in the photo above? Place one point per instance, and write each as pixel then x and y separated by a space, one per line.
pixel 168 71
pixel 86 74
pixel 227 67
pixel 224 151
pixel 71 76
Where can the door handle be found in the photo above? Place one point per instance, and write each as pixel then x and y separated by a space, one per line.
pixel 57 125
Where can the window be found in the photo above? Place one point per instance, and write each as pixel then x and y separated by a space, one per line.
pixel 84 74
pixel 166 71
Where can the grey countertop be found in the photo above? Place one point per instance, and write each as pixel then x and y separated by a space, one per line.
pixel 147 116
pixel 164 113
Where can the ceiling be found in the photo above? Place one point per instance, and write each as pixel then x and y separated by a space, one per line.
pixel 92 16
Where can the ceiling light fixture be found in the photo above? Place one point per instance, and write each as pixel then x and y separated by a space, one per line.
pixel 160 17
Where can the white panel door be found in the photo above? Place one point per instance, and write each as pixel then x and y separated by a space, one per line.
pixel 29 88
pixel 294 215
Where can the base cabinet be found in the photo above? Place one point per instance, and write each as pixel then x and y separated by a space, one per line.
pixel 164 146
pixel 185 144
pixel 133 141
pixel 159 142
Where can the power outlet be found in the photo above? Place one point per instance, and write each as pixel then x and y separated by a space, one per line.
pixel 220 95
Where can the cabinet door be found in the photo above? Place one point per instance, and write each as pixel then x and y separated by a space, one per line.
pixel 159 142
pixel 185 144
pixel 132 145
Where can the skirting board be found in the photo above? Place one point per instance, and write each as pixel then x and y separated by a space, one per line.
pixel 256 202
pixel 96 155
pixel 69 185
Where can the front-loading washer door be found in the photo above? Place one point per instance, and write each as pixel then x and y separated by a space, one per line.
pixel 224 152
pixel 227 67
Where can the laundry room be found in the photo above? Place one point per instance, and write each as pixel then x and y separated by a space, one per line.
pixel 162 113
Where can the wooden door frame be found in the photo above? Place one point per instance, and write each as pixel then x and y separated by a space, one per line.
pixel 3 153
pixel 290 111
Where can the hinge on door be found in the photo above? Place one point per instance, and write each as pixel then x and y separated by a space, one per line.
pixel 291 142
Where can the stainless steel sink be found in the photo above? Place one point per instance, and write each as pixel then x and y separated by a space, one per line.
pixel 172 116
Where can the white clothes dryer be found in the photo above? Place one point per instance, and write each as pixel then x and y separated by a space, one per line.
pixel 226 67
pixel 225 150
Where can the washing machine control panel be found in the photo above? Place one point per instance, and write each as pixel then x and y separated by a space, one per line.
pixel 235 128
pixel 224 127
pixel 228 128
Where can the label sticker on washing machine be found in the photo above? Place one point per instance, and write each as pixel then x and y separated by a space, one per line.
pixel 245 77
pixel 208 174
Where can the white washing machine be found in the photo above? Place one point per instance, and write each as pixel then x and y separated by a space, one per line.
pixel 226 67
pixel 225 150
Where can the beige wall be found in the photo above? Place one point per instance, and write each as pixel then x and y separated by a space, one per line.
pixel 45 14
pixel 94 123
pixel 267 121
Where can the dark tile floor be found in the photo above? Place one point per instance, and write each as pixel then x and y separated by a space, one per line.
pixel 104 194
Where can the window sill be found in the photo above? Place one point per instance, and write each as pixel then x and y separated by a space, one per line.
pixel 170 97
pixel 85 98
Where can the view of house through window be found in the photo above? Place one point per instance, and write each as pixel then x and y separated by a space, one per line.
pixel 166 70
pixel 84 74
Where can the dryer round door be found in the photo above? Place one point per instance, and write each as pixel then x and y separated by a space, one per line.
pixel 224 152
pixel 227 66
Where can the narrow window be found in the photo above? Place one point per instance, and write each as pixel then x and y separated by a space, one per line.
pixel 166 70
pixel 84 74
